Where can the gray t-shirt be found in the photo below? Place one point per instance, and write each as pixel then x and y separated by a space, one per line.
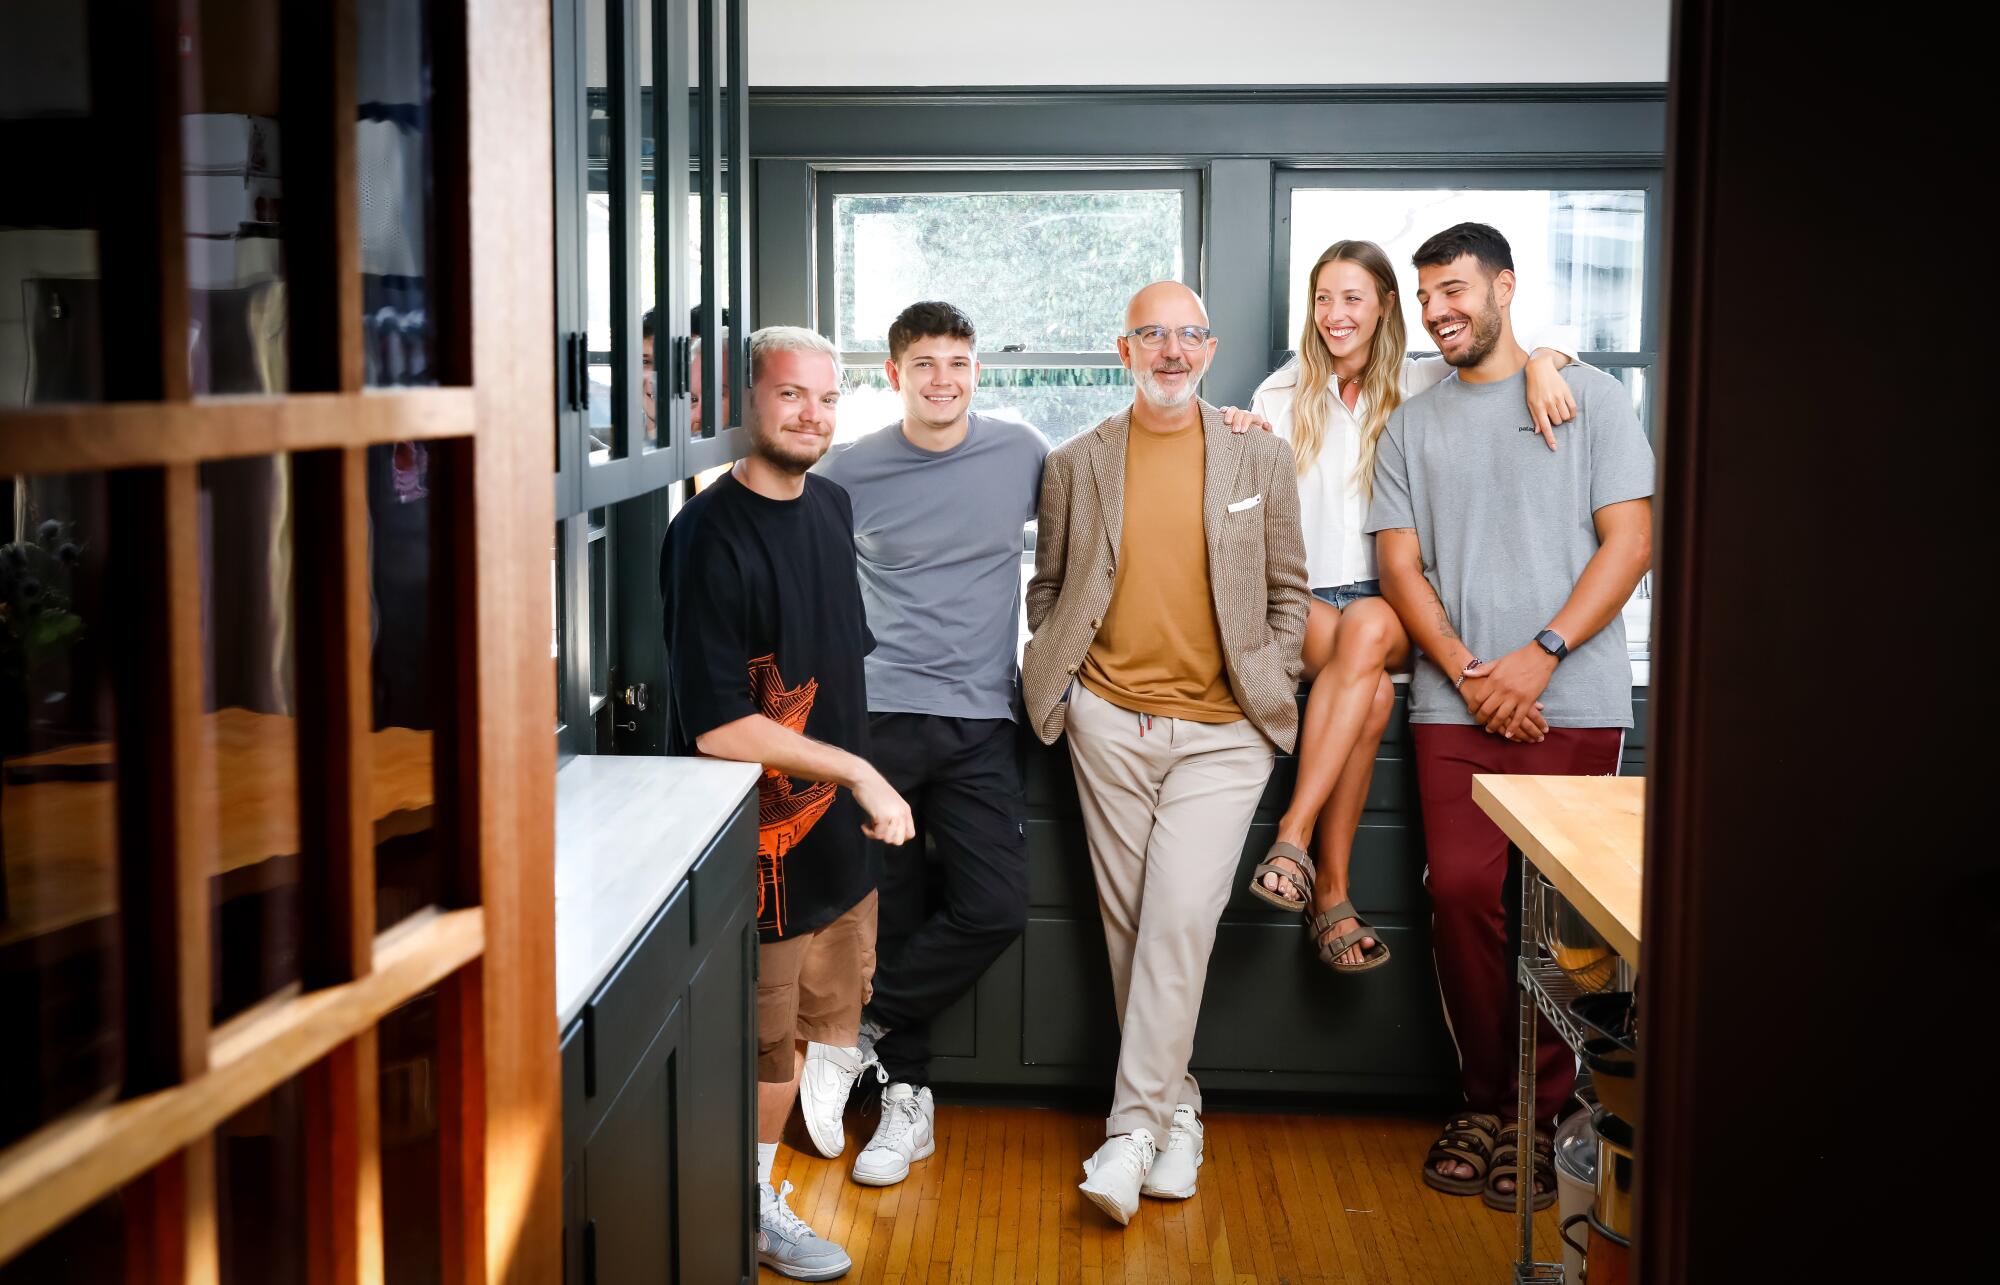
pixel 1506 530
pixel 937 535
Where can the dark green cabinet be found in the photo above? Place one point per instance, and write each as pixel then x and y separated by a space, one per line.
pixel 659 1093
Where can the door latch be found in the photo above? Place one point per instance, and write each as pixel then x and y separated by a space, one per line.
pixel 639 696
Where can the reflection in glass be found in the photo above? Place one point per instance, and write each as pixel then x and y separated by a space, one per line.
pixel 597 232
pixel 408 865
pixel 250 728
pixel 260 1190
pixel 89 1247
pixel 1062 401
pixel 394 153
pixel 1579 255
pixel 407 1051
pixel 60 956
pixel 1635 380
pixel 599 604
pixel 646 272
pixel 1048 271
pixel 233 183
pixel 700 424
pixel 49 301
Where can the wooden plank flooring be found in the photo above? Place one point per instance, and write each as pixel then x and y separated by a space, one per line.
pixel 1284 1200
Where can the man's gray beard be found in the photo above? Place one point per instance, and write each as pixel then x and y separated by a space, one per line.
pixel 1151 389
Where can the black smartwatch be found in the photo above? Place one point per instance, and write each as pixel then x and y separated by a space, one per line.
pixel 1552 642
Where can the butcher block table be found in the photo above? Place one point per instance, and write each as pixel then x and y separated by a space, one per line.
pixel 1586 835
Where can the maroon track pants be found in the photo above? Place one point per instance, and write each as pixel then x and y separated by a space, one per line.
pixel 1466 878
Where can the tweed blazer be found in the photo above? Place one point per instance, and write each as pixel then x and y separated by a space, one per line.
pixel 1256 568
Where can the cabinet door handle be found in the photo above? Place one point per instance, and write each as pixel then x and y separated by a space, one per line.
pixel 590 1252
pixel 683 365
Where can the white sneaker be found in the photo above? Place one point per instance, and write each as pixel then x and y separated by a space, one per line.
pixel 1173 1172
pixel 1112 1176
pixel 824 1086
pixel 906 1133
pixel 790 1248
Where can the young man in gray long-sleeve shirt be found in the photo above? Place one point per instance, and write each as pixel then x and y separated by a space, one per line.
pixel 940 499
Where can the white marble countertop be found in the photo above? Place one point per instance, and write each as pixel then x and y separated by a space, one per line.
pixel 628 828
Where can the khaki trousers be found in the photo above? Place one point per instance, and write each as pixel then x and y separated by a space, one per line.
pixel 1166 803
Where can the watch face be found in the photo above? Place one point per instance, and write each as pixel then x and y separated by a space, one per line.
pixel 1551 643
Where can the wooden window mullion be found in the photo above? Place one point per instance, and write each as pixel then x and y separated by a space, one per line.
pixel 462 1127
pixel 135 81
pixel 344 1165
pixel 455 641
pixel 166 791
pixel 322 194
pixel 336 805
pixel 170 1220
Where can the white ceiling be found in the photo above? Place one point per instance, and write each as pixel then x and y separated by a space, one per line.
pixel 1206 42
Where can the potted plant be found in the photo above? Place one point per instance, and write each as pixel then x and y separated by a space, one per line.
pixel 37 625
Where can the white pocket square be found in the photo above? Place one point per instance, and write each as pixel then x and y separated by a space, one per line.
pixel 1250 503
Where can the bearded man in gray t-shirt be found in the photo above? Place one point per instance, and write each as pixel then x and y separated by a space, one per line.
pixel 1509 565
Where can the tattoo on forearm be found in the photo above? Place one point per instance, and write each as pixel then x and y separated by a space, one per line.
pixel 1444 621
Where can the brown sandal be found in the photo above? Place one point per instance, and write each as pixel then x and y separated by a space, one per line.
pixel 1542 1169
pixel 1330 951
pixel 1468 1140
pixel 1300 877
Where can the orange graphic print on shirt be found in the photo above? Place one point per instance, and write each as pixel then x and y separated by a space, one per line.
pixel 784 815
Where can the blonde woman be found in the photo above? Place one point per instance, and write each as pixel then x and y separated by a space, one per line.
pixel 1331 403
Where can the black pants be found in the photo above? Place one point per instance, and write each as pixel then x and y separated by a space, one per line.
pixel 954 897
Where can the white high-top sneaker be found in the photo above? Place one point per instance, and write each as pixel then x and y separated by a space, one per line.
pixel 1173 1172
pixel 787 1246
pixel 907 1133
pixel 1112 1176
pixel 824 1086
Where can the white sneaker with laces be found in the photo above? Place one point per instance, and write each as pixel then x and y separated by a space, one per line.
pixel 906 1133
pixel 787 1246
pixel 1172 1176
pixel 1112 1177
pixel 824 1086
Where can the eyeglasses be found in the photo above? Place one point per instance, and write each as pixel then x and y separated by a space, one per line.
pixel 1156 336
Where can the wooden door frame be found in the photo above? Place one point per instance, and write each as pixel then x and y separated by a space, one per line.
pixel 1819 927
pixel 490 949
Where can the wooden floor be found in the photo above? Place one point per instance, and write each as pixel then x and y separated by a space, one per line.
pixel 1283 1199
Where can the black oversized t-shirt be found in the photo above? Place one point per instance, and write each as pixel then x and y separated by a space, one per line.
pixel 764 616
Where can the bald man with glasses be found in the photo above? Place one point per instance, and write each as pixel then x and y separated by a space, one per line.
pixel 1168 606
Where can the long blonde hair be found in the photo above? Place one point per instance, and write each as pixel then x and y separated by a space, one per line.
pixel 1381 378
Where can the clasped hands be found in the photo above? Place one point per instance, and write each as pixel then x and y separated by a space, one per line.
pixel 1504 696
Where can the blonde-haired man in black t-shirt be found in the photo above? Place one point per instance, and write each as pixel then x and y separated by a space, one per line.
pixel 765 637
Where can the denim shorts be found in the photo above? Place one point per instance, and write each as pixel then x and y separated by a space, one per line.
pixel 1341 597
